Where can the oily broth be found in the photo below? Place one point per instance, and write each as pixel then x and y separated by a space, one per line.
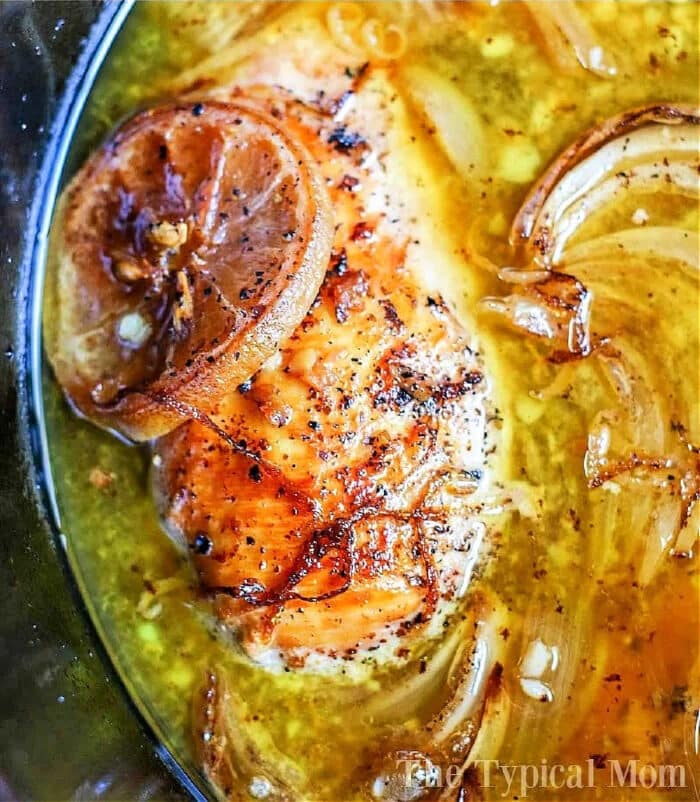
pixel 559 579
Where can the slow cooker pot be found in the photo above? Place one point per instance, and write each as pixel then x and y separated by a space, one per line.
pixel 67 727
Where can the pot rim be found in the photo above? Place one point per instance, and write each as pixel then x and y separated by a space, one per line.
pixel 75 95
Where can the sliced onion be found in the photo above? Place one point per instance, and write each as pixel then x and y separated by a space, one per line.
pixel 235 750
pixel 651 474
pixel 475 712
pixel 663 242
pixel 494 727
pixel 632 138
pixel 679 177
pixel 653 149
pixel 468 681
pixel 661 535
pixel 647 142
pixel 216 30
pixel 567 690
pixel 407 694
pixel 556 308
pixel 457 125
pixel 568 38
pixel 685 543
pixel 639 460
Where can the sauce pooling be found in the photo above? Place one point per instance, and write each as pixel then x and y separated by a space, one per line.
pixel 567 558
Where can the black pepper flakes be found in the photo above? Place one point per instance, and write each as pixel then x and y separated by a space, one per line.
pixel 361 230
pixel 349 183
pixel 343 139
pixel 612 678
pixel 202 544
pixel 339 262
pixel 679 699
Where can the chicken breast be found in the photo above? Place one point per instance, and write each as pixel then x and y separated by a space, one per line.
pixel 329 502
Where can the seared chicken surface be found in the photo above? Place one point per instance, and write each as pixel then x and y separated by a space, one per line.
pixel 326 501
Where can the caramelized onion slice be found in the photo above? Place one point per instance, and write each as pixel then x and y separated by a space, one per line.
pixel 654 143
pixel 649 150
pixel 235 750
pixel 473 716
pixel 188 248
pixel 645 342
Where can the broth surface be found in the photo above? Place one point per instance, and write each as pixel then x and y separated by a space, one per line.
pixel 572 573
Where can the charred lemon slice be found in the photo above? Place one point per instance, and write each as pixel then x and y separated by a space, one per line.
pixel 187 249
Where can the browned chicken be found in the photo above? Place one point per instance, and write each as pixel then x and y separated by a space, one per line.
pixel 326 501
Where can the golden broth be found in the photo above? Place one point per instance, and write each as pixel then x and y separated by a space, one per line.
pixel 569 575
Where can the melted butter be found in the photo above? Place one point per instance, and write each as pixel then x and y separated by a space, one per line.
pixel 568 573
